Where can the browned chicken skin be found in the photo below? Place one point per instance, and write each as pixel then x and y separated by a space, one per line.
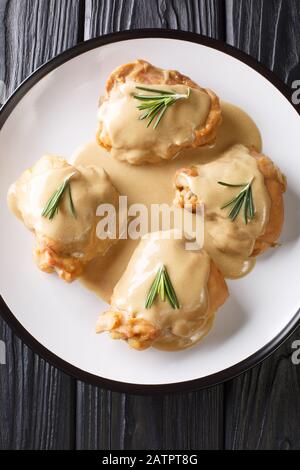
pixel 65 243
pixel 144 73
pixel 141 334
pixel 275 183
pixel 161 326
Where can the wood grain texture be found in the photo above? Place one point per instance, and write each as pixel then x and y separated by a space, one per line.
pixel 36 400
pixel 117 421
pixel 199 16
pixel 263 406
pixel 41 407
pixel 2 55
pixel 35 31
pixel 269 31
pixel 107 420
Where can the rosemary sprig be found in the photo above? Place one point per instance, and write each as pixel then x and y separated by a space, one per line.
pixel 51 207
pixel 72 208
pixel 162 285
pixel 155 105
pixel 243 200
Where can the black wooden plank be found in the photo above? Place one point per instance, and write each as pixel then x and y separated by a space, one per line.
pixel 2 48
pixel 269 31
pixel 108 420
pixel 199 16
pixel 194 420
pixel 36 400
pixel 262 406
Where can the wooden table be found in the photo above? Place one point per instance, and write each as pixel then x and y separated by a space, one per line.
pixel 41 407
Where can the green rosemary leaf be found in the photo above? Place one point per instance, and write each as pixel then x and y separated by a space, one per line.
pixel 162 92
pixel 164 109
pixel 251 211
pixel 231 185
pixel 161 288
pixel 229 203
pixel 153 289
pixel 157 103
pixel 152 114
pixel 51 208
pixel 148 98
pixel 243 199
pixel 169 287
pixel 162 285
pixel 237 207
pixel 48 208
pixel 72 208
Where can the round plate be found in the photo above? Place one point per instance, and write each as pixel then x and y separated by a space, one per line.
pixel 54 111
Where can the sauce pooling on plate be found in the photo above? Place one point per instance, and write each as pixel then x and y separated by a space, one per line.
pixel 154 184
pixel 151 115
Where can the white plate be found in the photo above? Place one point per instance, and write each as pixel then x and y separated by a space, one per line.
pixel 55 112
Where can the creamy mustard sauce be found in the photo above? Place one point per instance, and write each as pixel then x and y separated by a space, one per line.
pixel 124 274
pixel 132 140
pixel 154 184
pixel 109 275
pixel 89 188
pixel 180 327
pixel 229 243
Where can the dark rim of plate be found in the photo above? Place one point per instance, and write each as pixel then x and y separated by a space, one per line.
pixel 9 317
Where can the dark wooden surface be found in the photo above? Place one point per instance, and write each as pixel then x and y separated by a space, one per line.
pixel 42 408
